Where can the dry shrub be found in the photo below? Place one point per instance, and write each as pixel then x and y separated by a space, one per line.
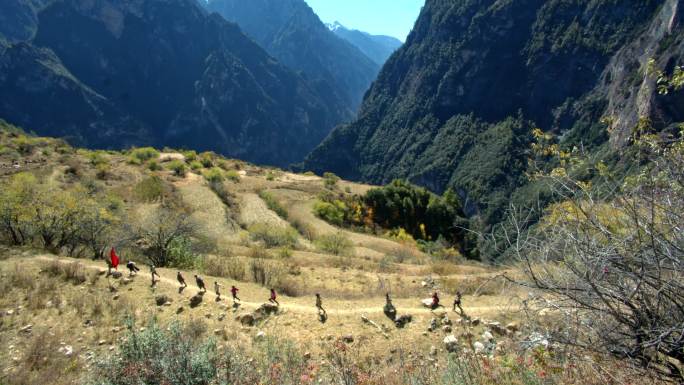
pixel 477 285
pixel 306 230
pixel 195 328
pixel 266 273
pixel 17 278
pixel 444 268
pixel 225 267
pixel 72 272
pixel 41 363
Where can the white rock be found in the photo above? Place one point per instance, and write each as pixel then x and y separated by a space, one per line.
pixel 451 343
pixel 260 335
pixel 487 336
pixel 479 347
pixel 101 342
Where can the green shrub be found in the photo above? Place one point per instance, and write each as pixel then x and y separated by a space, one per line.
pixel 190 156
pixel 207 159
pixel 273 204
pixel 214 175
pixel 331 212
pixel 181 254
pixel 273 236
pixel 336 244
pixel 233 176
pixel 153 165
pixel 150 189
pixel 98 158
pixel 179 168
pixel 141 155
pixel 310 173
pixel 330 180
pixel 196 165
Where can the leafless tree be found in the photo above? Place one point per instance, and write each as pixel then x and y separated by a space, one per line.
pixel 609 260
pixel 158 231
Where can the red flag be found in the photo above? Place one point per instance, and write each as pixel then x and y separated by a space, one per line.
pixel 114 258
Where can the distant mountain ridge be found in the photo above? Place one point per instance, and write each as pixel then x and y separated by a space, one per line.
pixel 292 33
pixel 377 47
pixel 110 74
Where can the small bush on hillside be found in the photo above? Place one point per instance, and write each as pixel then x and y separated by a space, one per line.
pixel 207 159
pixel 336 244
pixel 306 230
pixel 153 165
pixel 195 165
pixel 225 267
pixel 266 272
pixel 273 204
pixel 214 175
pixel 190 156
pixel 310 173
pixel 181 254
pixel 150 189
pixel 139 156
pixel 273 236
pixel 178 168
pixel 330 180
pixel 97 158
pixel 102 171
pixel 233 176
pixel 331 212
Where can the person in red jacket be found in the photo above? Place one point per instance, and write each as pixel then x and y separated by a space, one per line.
pixel 234 290
pixel 273 298
pixel 435 301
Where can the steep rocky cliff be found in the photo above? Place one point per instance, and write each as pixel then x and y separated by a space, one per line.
pixel 452 108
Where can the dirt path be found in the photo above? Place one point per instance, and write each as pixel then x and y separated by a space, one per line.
pixel 290 307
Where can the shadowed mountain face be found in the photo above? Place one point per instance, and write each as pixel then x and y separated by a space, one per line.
pixel 180 75
pixel 454 106
pixel 377 47
pixel 291 32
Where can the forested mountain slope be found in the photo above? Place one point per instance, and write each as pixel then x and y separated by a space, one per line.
pixel 291 32
pixel 455 105
pixel 175 74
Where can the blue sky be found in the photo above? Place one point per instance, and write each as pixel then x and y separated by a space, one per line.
pixel 378 17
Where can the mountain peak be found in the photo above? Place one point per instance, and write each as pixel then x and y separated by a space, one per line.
pixel 334 26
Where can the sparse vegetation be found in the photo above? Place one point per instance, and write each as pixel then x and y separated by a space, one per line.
pixel 151 189
pixel 336 244
pixel 139 156
pixel 178 168
pixel 273 204
pixel 273 236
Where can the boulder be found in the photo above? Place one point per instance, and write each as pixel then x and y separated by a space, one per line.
pixel 260 336
pixel 427 302
pixel 348 338
pixel 474 321
pixel 267 309
pixel 246 319
pixel 117 274
pixel 512 327
pixel 160 300
pixel 433 350
pixel 180 310
pixel 196 300
pixel 487 336
pixel 497 328
pixel 126 281
pixel 451 343
pixel 479 347
pixel 402 320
